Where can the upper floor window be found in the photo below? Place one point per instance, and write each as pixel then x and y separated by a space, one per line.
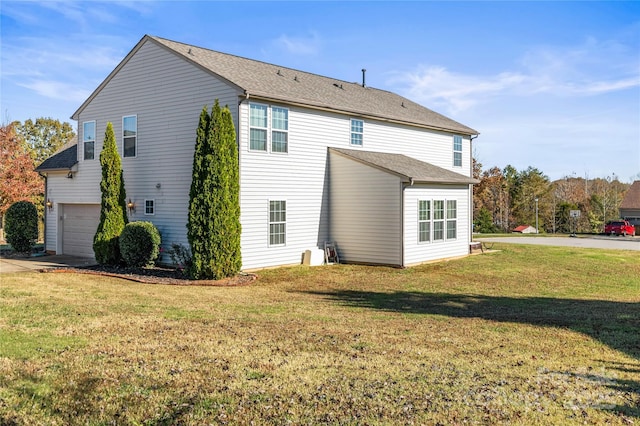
pixel 129 135
pixel 89 139
pixel 258 127
pixel 357 128
pixel 457 151
pixel 279 129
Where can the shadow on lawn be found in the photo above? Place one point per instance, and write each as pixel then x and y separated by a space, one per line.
pixel 616 324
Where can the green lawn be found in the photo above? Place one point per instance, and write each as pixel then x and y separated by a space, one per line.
pixel 526 335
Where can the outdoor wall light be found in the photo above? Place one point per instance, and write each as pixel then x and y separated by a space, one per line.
pixel 131 206
pixel 49 204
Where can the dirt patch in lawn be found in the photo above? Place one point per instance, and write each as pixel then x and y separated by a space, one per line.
pixel 156 275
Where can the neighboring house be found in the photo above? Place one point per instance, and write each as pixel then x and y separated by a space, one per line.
pixel 630 206
pixel 320 160
pixel 525 229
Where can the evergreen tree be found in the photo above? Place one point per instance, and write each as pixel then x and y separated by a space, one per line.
pixel 113 212
pixel 213 228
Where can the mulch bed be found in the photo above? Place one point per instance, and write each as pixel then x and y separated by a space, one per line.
pixel 156 275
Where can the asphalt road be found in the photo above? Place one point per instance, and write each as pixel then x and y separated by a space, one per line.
pixel 591 241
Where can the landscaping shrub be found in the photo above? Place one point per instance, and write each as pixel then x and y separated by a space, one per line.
pixel 113 215
pixel 21 226
pixel 139 243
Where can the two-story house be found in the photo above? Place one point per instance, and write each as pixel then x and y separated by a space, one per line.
pixel 320 160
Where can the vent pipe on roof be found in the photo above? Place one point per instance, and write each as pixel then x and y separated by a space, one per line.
pixel 364 71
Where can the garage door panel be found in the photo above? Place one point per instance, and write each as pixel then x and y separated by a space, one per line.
pixel 80 222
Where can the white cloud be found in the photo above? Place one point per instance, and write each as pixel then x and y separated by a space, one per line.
pixel 57 90
pixel 591 69
pixel 309 45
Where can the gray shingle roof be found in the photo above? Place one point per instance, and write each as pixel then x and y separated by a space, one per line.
pixel 406 167
pixel 64 159
pixel 631 199
pixel 260 79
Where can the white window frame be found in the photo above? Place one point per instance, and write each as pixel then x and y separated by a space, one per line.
pixel 278 130
pixel 451 220
pixel 357 132
pixel 424 220
pixel 438 221
pixel 264 129
pixel 86 141
pixel 125 137
pixel 278 221
pixel 457 151
pixel 149 203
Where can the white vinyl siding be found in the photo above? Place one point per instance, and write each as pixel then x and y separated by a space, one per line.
pixel 129 135
pixel 88 140
pixel 365 212
pixel 302 178
pixel 167 95
pixel 416 251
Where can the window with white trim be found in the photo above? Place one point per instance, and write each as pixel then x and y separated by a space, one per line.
pixel 149 207
pixel 452 222
pixel 277 222
pixel 424 221
pixel 129 135
pixel 257 127
pixel 438 220
pixel 279 129
pixel 357 132
pixel 89 140
pixel 457 151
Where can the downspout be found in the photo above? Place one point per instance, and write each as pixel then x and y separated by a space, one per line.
pixel 46 214
pixel 403 186
pixel 471 206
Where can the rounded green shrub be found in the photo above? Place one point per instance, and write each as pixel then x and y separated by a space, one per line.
pixel 139 243
pixel 21 226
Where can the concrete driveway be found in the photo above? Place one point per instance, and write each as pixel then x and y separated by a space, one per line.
pixel 591 241
pixel 25 264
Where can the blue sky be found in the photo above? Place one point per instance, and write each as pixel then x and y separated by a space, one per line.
pixel 553 85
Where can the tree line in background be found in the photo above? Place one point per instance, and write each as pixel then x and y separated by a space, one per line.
pixel 507 198
pixel 23 146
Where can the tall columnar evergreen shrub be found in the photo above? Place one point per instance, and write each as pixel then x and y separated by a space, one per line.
pixel 113 212
pixel 21 226
pixel 213 228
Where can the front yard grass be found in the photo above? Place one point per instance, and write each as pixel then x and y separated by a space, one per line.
pixel 527 335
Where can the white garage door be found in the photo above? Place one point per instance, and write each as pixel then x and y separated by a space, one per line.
pixel 80 222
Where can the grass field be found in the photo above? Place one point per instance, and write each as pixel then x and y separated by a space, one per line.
pixel 526 335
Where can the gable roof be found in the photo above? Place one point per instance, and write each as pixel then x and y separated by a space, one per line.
pixel 407 168
pixel 522 228
pixel 64 159
pixel 631 199
pixel 272 82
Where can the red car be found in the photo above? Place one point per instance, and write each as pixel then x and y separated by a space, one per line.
pixel 619 227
